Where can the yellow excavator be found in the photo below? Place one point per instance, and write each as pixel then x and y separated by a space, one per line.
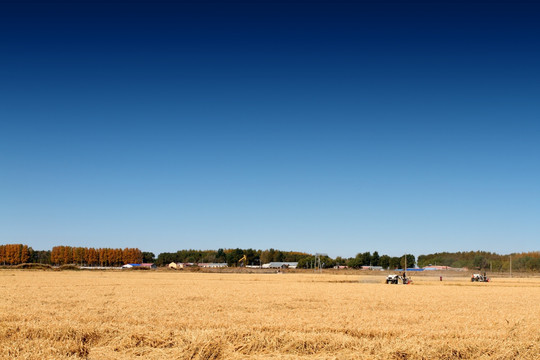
pixel 243 261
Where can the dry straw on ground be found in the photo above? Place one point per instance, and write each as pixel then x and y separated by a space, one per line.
pixel 178 315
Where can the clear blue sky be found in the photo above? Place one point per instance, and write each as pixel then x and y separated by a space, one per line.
pixel 310 126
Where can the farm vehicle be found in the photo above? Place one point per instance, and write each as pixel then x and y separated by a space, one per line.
pixel 395 279
pixel 479 278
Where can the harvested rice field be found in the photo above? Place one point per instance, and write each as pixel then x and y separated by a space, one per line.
pixel 190 315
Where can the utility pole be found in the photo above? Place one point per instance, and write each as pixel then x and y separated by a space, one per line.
pixel 510 265
pixel 405 265
pixel 318 261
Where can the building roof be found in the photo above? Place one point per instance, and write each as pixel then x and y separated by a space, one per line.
pixel 148 265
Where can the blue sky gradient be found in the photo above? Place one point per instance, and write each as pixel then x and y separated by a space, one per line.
pixel 315 126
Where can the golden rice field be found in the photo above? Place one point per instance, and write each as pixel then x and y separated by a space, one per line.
pixel 182 315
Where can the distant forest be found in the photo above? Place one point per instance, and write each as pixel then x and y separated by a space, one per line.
pixel 526 261
pixel 14 254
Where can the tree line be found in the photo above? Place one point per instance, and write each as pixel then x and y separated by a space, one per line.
pixel 14 254
pixel 61 255
pixel 369 259
pixel 259 257
pixel 229 256
pixel 483 260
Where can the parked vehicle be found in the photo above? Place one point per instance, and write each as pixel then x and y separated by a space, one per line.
pixel 395 279
pixel 479 278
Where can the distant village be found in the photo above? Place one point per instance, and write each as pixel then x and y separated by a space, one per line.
pixel 133 258
pixel 286 265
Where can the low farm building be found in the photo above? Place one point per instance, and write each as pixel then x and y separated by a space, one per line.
pixel 280 265
pixel 442 267
pixel 145 265
pixel 213 265
pixel 379 268
pixel 180 265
